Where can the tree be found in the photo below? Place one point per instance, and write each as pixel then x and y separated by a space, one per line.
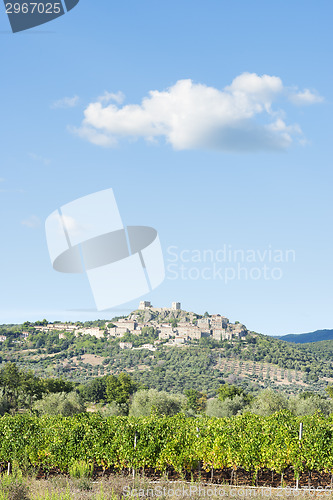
pixel 113 410
pixel 227 391
pixel 306 394
pixel 53 385
pixel 21 389
pixel 95 391
pixel 196 400
pixel 44 322
pixel 268 402
pixel 119 389
pixel 226 408
pixel 4 406
pixel 329 390
pixel 31 389
pixel 10 380
pixel 310 405
pixel 151 401
pixel 60 404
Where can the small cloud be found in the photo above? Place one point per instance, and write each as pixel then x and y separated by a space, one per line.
pixel 239 117
pixel 40 159
pixel 66 102
pixel 71 224
pixel 117 97
pixel 93 136
pixel 67 222
pixel 31 222
pixel 305 97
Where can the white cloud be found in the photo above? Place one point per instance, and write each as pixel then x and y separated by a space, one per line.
pixel 69 223
pixel 190 115
pixel 66 102
pixel 305 97
pixel 40 159
pixel 31 222
pixel 94 136
pixel 73 226
pixel 117 97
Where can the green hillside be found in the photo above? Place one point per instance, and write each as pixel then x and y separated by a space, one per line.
pixel 253 362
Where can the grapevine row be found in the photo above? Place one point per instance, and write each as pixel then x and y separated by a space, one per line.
pixel 247 441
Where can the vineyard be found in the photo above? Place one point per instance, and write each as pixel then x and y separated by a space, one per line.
pixel 176 444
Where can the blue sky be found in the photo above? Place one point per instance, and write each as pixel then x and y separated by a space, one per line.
pixel 218 156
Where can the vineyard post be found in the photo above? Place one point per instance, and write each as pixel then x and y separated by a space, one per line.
pixel 199 464
pixel 8 469
pixel 300 435
pixel 133 471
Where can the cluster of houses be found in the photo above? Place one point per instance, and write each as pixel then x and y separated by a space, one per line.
pixel 177 332
pixel 64 328
pixel 174 327
pixel 23 335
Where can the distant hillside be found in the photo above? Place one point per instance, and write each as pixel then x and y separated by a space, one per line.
pixel 304 338
pixel 171 349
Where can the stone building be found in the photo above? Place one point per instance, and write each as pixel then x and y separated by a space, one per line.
pixel 144 305
pixel 117 331
pixel 166 332
pixel 203 323
pixel 94 332
pixel 218 322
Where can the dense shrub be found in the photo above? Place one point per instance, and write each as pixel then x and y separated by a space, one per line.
pixel 60 404
pixel 150 401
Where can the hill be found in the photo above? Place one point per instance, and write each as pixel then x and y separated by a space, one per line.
pixel 303 338
pixel 169 349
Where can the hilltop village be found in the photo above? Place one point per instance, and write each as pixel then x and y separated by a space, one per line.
pixel 177 326
pixel 173 326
